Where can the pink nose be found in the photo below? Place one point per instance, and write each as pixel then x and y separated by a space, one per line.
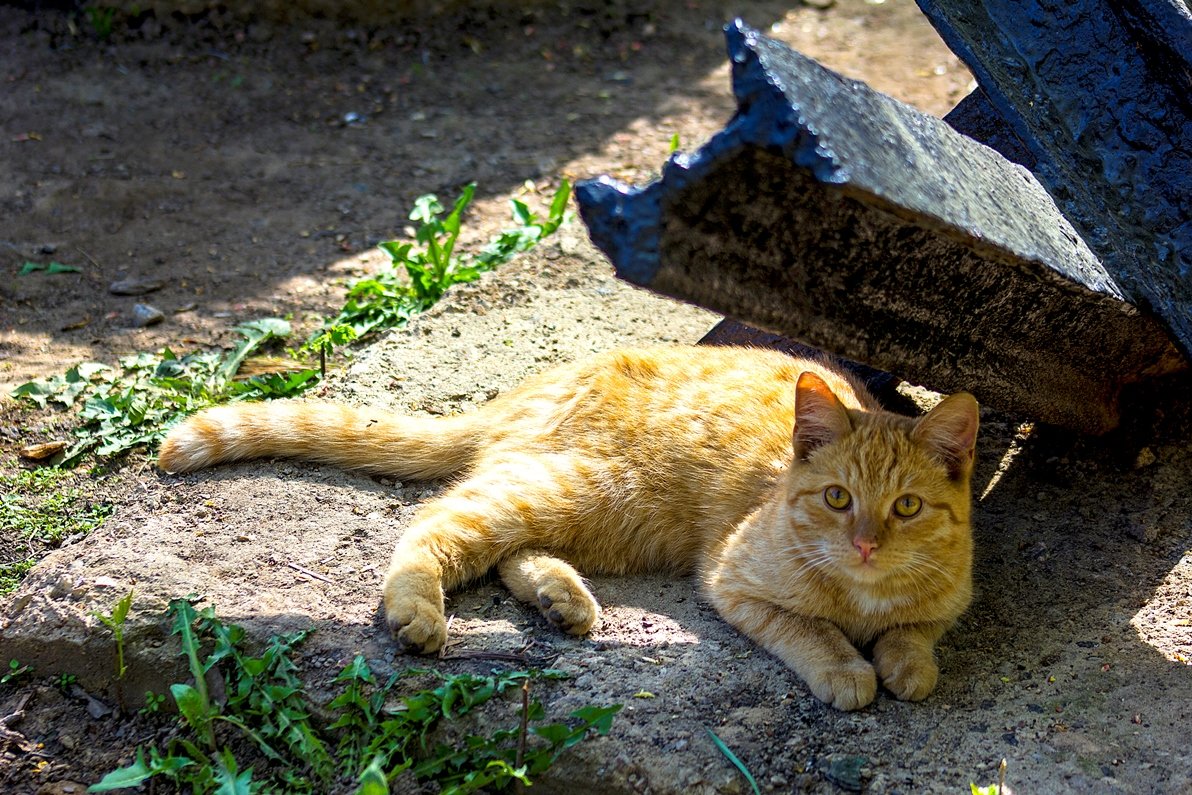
pixel 865 548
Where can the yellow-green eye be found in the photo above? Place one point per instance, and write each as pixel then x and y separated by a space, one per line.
pixel 837 498
pixel 907 505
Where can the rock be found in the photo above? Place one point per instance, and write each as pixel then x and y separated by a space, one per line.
pixel 846 771
pixel 136 286
pixel 144 315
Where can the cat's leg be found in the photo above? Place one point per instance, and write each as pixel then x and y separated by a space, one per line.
pixel 413 591
pixel 816 649
pixel 553 586
pixel 510 503
pixel 905 660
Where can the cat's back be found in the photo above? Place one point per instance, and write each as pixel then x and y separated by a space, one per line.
pixel 674 400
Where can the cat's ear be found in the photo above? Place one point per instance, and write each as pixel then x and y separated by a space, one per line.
pixel 820 417
pixel 949 432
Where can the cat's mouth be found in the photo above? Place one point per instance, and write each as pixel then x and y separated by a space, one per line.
pixel 866 568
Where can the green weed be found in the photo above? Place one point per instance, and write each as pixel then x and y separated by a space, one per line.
pixel 15 671
pixel 263 736
pixel 101 18
pixel 115 622
pixel 420 272
pixel 153 703
pixel 11 574
pixel 135 405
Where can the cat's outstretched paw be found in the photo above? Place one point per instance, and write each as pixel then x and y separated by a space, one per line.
pixel 417 625
pixel 846 687
pixel 907 671
pixel 414 611
pixel 573 611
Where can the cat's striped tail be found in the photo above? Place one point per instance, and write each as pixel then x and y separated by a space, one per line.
pixel 347 437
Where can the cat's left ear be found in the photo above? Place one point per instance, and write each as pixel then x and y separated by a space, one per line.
pixel 949 432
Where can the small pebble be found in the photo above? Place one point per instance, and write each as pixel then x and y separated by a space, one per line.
pixel 144 315
pixel 845 771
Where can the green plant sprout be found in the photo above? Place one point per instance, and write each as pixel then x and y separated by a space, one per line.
pixel 266 716
pixel 153 703
pixel 15 671
pixel 115 622
pixel 420 272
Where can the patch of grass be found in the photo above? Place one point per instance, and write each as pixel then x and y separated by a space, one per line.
pixel 420 272
pixel 11 574
pixel 38 506
pixel 263 735
pixel 135 405
pixel 38 511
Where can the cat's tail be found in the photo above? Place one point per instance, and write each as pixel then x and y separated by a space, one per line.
pixel 347 437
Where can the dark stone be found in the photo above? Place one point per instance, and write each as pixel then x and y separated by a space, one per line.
pixel 976 117
pixel 851 222
pixel 1100 94
pixel 136 286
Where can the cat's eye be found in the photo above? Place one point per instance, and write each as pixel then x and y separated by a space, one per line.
pixel 907 505
pixel 837 498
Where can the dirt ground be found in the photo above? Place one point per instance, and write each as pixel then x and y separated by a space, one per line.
pixel 249 170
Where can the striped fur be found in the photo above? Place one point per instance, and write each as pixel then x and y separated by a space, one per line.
pixel 712 460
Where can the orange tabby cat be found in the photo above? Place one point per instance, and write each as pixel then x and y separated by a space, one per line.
pixel 819 523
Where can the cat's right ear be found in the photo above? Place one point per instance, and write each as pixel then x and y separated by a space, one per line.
pixel 820 417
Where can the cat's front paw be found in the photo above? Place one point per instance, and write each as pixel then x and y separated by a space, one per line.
pixel 846 687
pixel 571 610
pixel 418 626
pixel 907 670
pixel 414 612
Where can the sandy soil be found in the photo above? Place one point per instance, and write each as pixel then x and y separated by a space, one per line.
pixel 219 159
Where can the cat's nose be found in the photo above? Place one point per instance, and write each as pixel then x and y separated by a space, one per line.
pixel 865 547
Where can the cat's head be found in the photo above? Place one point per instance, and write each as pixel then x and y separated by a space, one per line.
pixel 881 497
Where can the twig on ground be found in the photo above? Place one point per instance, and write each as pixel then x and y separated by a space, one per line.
pixel 309 573
pixel 18 713
pixel 523 730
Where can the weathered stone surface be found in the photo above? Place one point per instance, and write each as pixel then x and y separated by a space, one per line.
pixel 1098 93
pixel 849 221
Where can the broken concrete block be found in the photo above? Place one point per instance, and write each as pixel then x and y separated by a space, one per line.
pixel 849 221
